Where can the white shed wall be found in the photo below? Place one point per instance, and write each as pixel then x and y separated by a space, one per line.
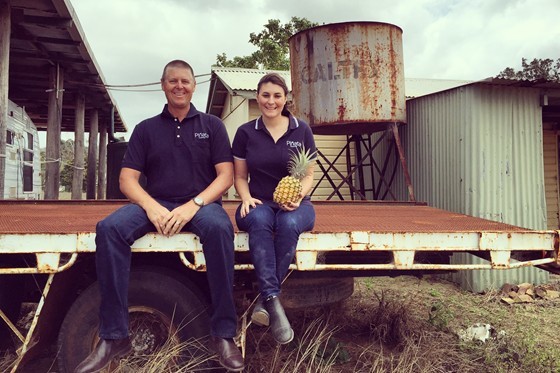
pixel 18 151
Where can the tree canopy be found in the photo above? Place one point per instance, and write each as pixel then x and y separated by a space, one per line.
pixel 272 43
pixel 538 69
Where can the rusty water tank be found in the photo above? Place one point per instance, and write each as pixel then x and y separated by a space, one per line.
pixel 348 78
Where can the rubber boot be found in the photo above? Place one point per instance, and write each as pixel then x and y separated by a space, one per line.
pixel 260 315
pixel 279 324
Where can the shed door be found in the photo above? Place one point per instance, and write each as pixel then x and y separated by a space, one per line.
pixel 550 153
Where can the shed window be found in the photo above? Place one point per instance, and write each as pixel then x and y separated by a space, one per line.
pixel 27 178
pixel 27 156
pixel 10 136
pixel 29 141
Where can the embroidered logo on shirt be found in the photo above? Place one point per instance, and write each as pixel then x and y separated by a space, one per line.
pixel 293 144
pixel 201 135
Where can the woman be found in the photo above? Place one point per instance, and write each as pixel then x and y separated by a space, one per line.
pixel 262 149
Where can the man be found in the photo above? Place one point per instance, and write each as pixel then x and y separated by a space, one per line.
pixel 186 158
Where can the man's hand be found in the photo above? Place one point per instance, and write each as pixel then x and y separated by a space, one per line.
pixel 158 215
pixel 179 217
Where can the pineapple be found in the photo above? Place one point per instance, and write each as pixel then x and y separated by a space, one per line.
pixel 289 188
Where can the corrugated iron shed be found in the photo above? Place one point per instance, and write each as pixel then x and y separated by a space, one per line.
pixel 416 87
pixel 236 82
pixel 243 82
pixel 477 149
pixel 46 34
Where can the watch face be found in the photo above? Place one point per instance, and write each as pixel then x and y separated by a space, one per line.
pixel 199 201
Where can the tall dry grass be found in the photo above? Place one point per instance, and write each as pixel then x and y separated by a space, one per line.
pixel 6 361
pixel 372 332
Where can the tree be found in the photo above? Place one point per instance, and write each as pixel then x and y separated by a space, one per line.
pixel 66 164
pixel 538 69
pixel 272 43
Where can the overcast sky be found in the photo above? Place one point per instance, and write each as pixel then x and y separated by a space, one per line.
pixel 442 39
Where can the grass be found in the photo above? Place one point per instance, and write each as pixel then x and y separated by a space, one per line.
pixel 6 361
pixel 400 325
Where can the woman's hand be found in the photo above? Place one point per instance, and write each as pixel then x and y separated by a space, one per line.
pixel 291 206
pixel 247 204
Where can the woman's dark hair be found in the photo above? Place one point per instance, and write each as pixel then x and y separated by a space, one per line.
pixel 273 78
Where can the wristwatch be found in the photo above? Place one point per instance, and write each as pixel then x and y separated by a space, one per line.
pixel 198 201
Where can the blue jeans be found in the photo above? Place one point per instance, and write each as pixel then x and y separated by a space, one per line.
pixel 117 232
pixel 273 237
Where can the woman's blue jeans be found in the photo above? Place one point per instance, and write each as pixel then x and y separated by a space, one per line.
pixel 273 237
pixel 117 232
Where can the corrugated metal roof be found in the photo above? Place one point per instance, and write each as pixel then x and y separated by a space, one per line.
pixel 243 82
pixel 239 80
pixel 519 83
pixel 416 87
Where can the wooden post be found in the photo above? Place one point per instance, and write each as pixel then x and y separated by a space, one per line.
pixel 52 156
pixel 102 172
pixel 78 175
pixel 5 27
pixel 402 159
pixel 92 155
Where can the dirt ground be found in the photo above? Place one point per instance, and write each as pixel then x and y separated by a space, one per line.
pixel 428 306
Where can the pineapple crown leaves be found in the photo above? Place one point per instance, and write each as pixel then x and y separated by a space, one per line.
pixel 299 162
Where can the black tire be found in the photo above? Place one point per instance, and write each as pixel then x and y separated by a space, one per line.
pixel 161 309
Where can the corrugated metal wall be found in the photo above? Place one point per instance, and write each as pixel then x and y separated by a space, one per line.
pixel 550 150
pixel 477 150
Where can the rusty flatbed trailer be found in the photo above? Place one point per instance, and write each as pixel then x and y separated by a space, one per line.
pixel 49 229
pixel 56 238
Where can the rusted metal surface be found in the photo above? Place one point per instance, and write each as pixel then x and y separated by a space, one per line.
pixel 402 160
pixel 404 230
pixel 348 77
pixel 73 217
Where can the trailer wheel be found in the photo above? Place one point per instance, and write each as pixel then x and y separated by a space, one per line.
pixel 163 312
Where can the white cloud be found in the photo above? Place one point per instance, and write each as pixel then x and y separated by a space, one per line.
pixel 455 39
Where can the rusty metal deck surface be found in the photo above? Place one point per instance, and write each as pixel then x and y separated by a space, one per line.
pixel 60 217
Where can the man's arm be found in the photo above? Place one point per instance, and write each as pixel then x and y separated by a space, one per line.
pixel 222 182
pixel 131 188
pixel 184 213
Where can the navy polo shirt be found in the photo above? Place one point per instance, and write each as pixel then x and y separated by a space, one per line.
pixel 267 161
pixel 178 158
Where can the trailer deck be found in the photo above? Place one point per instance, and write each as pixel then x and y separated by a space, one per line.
pixel 358 237
pixel 348 235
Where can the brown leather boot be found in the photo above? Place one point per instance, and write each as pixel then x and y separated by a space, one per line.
pixel 228 353
pixel 105 351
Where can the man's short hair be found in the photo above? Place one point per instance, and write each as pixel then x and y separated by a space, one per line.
pixel 176 63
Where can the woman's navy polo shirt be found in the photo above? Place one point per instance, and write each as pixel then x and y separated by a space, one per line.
pixel 267 161
pixel 178 158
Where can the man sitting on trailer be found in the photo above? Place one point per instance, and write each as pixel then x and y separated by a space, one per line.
pixel 186 158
